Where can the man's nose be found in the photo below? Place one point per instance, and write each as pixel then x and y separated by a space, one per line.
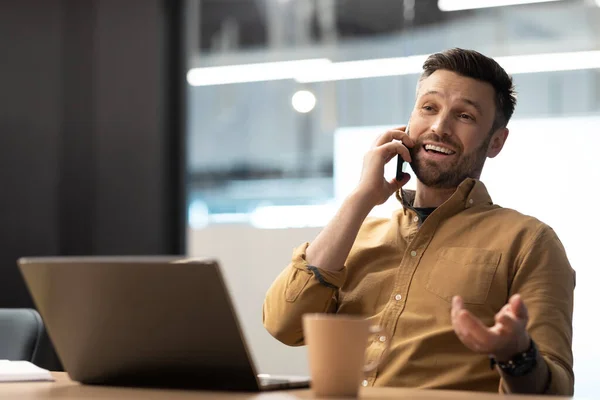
pixel 441 125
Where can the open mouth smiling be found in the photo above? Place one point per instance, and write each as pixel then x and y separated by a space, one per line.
pixel 437 149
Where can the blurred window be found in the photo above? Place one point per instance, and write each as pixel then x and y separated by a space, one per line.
pixel 261 135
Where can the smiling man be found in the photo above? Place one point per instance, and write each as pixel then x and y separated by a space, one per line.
pixel 471 295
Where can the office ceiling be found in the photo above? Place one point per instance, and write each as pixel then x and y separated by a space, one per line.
pixel 362 18
pixel 353 18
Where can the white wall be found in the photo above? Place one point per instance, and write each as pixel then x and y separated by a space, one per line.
pixel 548 169
pixel 251 259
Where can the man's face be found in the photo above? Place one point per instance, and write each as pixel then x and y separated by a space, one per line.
pixel 451 125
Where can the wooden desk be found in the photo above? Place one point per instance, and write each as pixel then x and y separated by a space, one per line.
pixel 64 388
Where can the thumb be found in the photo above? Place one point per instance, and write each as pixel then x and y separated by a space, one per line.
pixel 398 184
pixel 518 307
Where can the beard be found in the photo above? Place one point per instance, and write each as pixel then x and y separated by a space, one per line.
pixel 447 174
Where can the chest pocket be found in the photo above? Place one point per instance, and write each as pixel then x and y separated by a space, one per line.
pixel 463 271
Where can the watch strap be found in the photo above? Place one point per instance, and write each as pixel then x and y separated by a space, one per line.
pixel 521 363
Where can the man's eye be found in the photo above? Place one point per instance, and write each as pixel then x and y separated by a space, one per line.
pixel 466 116
pixel 427 108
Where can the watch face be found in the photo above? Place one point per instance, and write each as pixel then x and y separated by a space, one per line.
pixel 523 369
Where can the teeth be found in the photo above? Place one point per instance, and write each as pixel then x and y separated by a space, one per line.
pixel 438 148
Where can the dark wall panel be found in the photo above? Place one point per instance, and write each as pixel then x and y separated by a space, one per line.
pixel 130 139
pixel 91 111
pixel 77 156
pixel 30 128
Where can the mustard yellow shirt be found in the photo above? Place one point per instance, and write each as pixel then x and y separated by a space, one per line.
pixel 402 274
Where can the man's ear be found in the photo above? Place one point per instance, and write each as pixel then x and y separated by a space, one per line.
pixel 497 142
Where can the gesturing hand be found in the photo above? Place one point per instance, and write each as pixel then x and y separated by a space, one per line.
pixel 504 340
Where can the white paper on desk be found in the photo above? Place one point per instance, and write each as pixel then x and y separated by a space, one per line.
pixel 21 371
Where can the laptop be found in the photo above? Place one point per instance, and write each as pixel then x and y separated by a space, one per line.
pixel 145 322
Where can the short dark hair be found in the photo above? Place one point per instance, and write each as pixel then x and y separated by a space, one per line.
pixel 473 64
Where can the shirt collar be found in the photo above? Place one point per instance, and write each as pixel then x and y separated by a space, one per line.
pixel 471 192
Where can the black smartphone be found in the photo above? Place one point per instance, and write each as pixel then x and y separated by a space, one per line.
pixel 399 167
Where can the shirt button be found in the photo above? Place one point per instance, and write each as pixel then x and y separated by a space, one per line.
pixel 381 339
pixel 398 297
pixel 470 201
pixel 364 383
pixel 416 219
pixel 413 253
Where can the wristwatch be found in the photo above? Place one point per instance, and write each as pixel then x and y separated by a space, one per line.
pixel 521 364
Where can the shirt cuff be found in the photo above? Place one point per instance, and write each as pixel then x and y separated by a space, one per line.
pixel 331 279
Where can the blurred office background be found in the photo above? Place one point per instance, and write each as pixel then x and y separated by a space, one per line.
pixel 233 129
pixel 284 97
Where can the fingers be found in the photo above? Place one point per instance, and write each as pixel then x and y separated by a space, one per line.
pixel 518 307
pixel 506 323
pixel 472 333
pixel 476 330
pixel 457 305
pixel 507 337
pixel 510 330
pixel 458 322
pixel 391 149
pixel 397 134
pixel 502 311
pixel 508 320
pixel 469 329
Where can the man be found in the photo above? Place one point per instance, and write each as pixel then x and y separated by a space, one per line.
pixel 472 295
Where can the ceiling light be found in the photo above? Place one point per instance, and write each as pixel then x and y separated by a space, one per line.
pixel 304 101
pixel 323 70
pixel 363 69
pixel 242 73
pixel 550 62
pixel 456 5
pixel 521 64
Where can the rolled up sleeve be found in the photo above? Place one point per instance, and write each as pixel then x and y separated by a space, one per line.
pixel 298 290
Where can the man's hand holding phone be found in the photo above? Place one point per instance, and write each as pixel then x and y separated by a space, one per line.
pixel 331 247
pixel 373 184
